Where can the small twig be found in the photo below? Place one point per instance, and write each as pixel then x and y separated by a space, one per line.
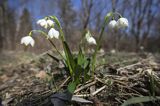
pixel 98 79
pixel 85 86
pixel 83 95
pixel 65 81
pixel 99 90
pixel 120 82
pixel 129 66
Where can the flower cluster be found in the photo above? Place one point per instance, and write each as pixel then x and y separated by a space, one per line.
pixel 80 66
pixel 45 23
pixel 120 23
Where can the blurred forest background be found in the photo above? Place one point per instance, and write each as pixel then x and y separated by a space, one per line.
pixel 18 18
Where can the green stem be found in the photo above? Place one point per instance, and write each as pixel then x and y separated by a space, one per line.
pixel 43 33
pixel 116 13
pixel 56 49
pixel 98 43
pixel 63 40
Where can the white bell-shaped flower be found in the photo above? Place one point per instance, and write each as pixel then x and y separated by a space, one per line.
pixel 112 24
pixel 42 23
pixel 91 40
pixel 53 33
pixel 27 40
pixel 50 22
pixel 122 23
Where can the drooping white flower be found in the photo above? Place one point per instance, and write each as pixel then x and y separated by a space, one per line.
pixel 27 40
pixel 91 40
pixel 50 22
pixel 53 33
pixel 122 23
pixel 112 24
pixel 42 23
pixel 113 51
pixel 141 47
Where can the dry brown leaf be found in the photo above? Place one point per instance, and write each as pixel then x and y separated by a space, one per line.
pixel 4 78
pixel 41 75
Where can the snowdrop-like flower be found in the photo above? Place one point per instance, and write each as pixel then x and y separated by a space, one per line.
pixel 122 23
pixel 112 24
pixel 53 33
pixel 50 22
pixel 42 23
pixel 91 40
pixel 113 51
pixel 28 40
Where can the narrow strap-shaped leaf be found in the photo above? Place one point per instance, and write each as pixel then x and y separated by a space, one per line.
pixel 56 21
pixel 69 56
pixel 80 57
pixel 59 26
pixel 135 100
pixel 53 57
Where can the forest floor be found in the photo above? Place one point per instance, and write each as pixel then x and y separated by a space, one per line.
pixel 119 76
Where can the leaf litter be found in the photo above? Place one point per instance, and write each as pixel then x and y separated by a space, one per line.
pixel 118 77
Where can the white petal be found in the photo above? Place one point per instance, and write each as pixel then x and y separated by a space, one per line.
pixel 122 23
pixel 50 22
pixel 40 20
pixel 91 40
pixel 42 23
pixel 27 40
pixel 53 33
pixel 112 24
pixel 32 42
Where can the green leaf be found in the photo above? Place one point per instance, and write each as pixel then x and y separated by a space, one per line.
pixel 56 21
pixel 135 100
pixel 80 58
pixel 69 56
pixel 71 87
pixel 86 64
pixel 86 77
pixel 53 57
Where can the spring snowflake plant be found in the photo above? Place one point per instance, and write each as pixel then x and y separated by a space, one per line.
pixel 80 67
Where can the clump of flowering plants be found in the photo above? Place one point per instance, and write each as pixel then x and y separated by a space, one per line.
pixel 80 67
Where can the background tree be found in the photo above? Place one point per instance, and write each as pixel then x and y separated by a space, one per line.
pixel 67 15
pixel 25 25
pixel 8 26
